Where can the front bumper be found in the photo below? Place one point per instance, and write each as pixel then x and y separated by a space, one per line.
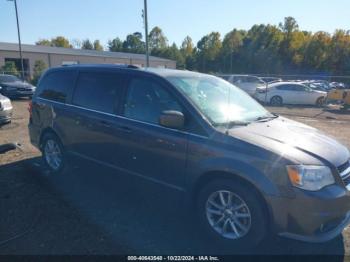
pixel 19 93
pixel 321 237
pixel 312 216
pixel 5 116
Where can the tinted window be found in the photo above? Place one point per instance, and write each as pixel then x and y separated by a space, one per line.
pixel 299 88
pixel 283 87
pixel 56 85
pixel 8 78
pixel 98 91
pixel 146 100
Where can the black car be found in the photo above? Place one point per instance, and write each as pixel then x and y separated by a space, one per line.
pixel 13 87
pixel 244 171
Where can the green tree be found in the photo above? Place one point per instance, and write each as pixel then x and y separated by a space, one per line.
pixel 97 45
pixel 61 41
pixel 115 45
pixel 317 52
pixel 157 39
pixel 86 44
pixel 209 48
pixel 188 52
pixel 231 45
pixel 339 60
pixel 10 68
pixel 39 67
pixel 134 43
pixel 58 41
pixel 187 46
pixel 44 42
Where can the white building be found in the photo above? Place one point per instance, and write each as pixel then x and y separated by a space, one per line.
pixel 57 56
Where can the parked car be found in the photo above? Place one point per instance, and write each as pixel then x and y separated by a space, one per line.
pixel 290 93
pixel 337 85
pixel 244 171
pixel 247 83
pixel 316 86
pixel 5 110
pixel 14 87
pixel 269 79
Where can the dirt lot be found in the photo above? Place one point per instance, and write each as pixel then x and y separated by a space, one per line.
pixel 95 211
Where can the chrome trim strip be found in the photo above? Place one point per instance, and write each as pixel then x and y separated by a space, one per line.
pixel 128 171
pixel 117 116
pixel 345 173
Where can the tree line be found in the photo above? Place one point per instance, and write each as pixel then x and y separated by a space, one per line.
pixel 263 49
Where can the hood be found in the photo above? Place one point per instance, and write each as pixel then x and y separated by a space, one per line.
pixel 293 140
pixel 17 84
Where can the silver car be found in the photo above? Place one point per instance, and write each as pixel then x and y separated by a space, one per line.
pixel 5 109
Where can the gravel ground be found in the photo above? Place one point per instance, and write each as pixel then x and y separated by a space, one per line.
pixel 95 211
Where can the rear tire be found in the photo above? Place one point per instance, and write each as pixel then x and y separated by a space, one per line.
pixel 244 216
pixel 320 101
pixel 276 101
pixel 53 154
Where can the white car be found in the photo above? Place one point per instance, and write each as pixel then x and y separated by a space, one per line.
pixel 5 109
pixel 247 83
pixel 290 93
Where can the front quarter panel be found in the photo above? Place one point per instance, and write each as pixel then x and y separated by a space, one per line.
pixel 237 158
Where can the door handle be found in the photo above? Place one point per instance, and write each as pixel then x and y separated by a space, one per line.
pixel 124 129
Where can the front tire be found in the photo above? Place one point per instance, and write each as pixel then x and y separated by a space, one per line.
pixel 232 214
pixel 53 154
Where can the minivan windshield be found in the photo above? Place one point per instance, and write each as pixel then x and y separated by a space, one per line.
pixel 221 102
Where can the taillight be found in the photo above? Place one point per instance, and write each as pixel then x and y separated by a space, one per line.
pixel 30 108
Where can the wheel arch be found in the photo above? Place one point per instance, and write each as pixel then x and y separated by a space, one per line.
pixel 47 130
pixel 214 175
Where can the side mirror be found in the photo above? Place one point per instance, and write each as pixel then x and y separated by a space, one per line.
pixel 172 119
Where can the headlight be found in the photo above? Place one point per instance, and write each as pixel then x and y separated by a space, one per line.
pixel 311 178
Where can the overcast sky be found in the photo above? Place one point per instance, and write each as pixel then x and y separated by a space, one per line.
pixel 106 19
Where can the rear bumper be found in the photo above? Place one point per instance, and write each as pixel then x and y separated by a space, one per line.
pixel 312 216
pixel 34 135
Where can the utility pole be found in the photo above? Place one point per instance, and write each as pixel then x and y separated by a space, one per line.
pixel 19 41
pixel 146 31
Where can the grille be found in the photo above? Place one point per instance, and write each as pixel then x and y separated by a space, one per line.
pixel 343 167
pixel 344 171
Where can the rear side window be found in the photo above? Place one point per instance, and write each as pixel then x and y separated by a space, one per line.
pixel 286 87
pixel 56 85
pixel 98 91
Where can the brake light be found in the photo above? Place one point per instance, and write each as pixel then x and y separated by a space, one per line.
pixel 30 108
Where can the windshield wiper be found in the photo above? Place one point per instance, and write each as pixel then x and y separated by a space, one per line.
pixel 233 123
pixel 266 118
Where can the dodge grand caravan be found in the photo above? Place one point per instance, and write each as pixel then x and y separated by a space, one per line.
pixel 244 171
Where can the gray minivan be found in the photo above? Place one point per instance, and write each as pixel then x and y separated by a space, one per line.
pixel 244 171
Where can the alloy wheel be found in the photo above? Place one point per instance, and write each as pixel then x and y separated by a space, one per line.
pixel 228 214
pixel 53 154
